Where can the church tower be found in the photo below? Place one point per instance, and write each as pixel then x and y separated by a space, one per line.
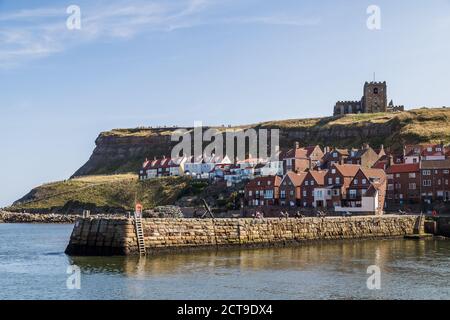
pixel 375 97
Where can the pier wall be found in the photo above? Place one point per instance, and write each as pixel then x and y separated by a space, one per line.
pixel 93 236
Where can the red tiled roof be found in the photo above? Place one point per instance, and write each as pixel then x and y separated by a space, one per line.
pixel 402 168
pixel 435 164
pixel 319 176
pixel 297 179
pixel 296 153
pixel 374 173
pixel 347 170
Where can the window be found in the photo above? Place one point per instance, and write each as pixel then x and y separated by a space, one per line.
pixel 282 194
pixel 306 182
pixel 352 194
pixel 335 192
pixel 426 172
pixel 446 182
pixel 312 182
pixel 291 193
pixel 363 192
pixel 305 193
pixel 338 180
pixel 439 182
pixel 390 176
pixel 390 187
pixel 412 186
pixel 269 194
pixel 397 175
pixel 330 181
pixel 375 90
pixel 250 193
pixel 269 183
pixel 333 171
pixel 364 181
pixel 258 183
pixel 427 183
pixel 355 181
pixel 446 171
pixel 335 154
pixel 412 175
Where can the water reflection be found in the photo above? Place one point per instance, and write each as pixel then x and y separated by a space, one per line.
pixel 341 256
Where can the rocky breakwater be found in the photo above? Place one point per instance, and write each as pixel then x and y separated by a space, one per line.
pixel 117 236
pixel 14 217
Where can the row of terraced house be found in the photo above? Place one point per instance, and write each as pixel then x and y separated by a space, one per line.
pixel 353 180
pixel 356 180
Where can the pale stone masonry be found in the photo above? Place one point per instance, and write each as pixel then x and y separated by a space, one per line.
pixel 93 236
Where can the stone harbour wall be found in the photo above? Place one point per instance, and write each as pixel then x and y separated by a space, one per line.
pixel 94 236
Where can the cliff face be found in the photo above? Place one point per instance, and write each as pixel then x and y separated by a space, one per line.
pixel 123 150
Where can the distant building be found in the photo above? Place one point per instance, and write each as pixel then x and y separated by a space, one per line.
pixel 290 189
pixel 374 100
pixel 435 176
pixel 263 191
pixel 301 159
pixel 403 183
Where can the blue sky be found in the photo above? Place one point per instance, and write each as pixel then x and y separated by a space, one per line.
pixel 173 62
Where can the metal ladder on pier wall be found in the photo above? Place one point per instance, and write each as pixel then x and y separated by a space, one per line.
pixel 139 233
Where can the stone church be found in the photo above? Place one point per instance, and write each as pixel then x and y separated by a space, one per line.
pixel 374 100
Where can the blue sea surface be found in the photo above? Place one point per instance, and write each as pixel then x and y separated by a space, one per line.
pixel 33 266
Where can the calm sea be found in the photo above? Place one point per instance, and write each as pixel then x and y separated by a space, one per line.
pixel 33 266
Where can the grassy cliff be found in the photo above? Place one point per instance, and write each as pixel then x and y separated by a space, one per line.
pixel 106 185
pixel 123 150
pixel 101 193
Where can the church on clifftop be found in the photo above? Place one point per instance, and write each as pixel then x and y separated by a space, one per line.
pixel 374 100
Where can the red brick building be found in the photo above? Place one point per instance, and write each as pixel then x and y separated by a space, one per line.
pixel 366 157
pixel 263 191
pixel 338 178
pixel 290 188
pixel 435 177
pixel 334 156
pixel 403 185
pixel 313 179
pixel 301 159
pixel 367 183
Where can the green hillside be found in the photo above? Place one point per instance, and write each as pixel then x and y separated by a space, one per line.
pixel 101 193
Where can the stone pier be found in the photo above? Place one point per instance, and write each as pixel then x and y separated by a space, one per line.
pixel 95 236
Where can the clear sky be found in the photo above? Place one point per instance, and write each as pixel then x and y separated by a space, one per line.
pixel 172 62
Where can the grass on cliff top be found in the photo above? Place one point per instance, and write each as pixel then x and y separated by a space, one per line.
pixel 418 121
pixel 112 191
